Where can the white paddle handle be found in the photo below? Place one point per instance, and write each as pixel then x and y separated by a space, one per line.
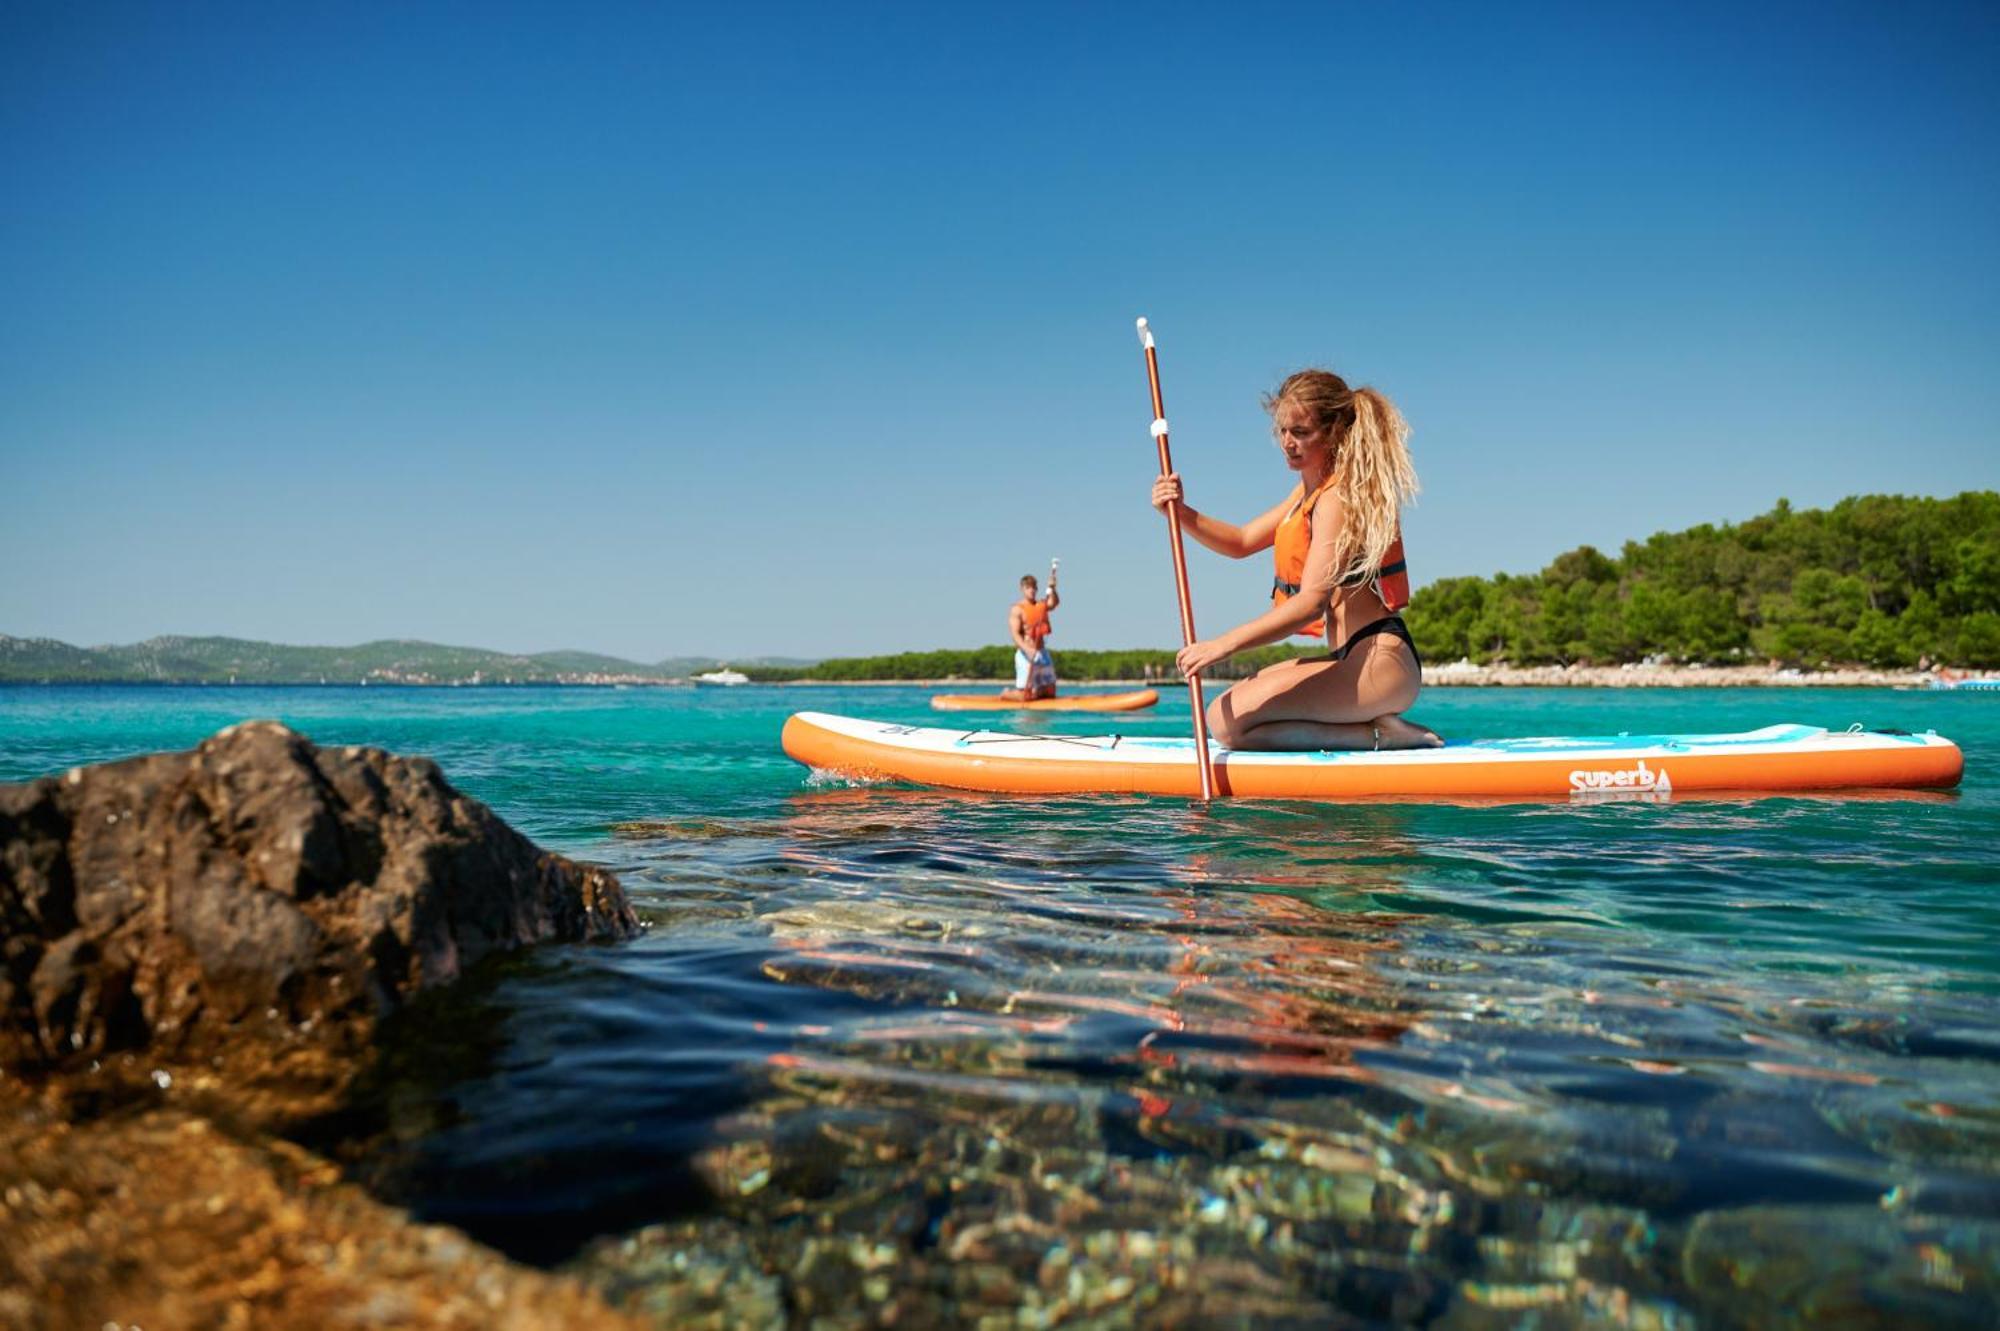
pixel 1145 334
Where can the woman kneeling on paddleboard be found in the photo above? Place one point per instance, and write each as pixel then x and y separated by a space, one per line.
pixel 1337 539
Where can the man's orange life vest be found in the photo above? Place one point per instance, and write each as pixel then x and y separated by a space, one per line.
pixel 1288 551
pixel 1035 622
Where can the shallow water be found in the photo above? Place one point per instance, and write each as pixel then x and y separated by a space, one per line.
pixel 892 1055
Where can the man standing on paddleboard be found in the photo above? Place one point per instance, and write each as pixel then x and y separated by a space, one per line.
pixel 1028 626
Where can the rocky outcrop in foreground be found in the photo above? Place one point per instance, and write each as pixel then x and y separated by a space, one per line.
pixel 182 899
pixel 196 950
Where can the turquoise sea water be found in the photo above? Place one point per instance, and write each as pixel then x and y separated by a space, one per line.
pixel 894 1055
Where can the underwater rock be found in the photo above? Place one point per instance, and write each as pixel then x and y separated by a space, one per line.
pixel 162 1219
pixel 1856 1266
pixel 175 901
pixel 686 1275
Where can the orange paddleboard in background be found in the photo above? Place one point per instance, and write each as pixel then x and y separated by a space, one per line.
pixel 1070 702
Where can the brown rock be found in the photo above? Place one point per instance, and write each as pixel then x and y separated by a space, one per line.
pixel 164 1220
pixel 258 885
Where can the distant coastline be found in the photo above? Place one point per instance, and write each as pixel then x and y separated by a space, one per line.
pixel 1877 591
pixel 227 662
pixel 396 661
pixel 1466 674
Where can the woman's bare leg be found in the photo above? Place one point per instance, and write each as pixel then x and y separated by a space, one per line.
pixel 1304 705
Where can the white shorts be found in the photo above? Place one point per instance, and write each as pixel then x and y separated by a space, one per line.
pixel 1039 673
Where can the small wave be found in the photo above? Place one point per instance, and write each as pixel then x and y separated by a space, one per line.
pixel 819 778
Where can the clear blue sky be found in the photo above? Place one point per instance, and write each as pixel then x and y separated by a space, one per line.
pixel 806 330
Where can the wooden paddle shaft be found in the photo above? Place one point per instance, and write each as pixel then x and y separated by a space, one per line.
pixel 1202 760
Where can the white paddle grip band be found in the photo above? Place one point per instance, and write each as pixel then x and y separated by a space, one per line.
pixel 1160 428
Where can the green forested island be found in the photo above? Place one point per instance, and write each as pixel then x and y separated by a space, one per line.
pixel 1878 580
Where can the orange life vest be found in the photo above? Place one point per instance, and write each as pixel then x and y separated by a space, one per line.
pixel 1288 551
pixel 1035 621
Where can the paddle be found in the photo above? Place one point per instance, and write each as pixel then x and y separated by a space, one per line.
pixel 1201 757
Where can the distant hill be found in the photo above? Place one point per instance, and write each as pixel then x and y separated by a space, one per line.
pixel 181 660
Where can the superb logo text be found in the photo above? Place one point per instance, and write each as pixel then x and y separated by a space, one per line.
pixel 1638 778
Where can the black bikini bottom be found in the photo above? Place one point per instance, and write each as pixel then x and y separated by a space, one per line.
pixel 1393 626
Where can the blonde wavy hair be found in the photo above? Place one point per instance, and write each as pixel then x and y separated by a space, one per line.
pixel 1373 476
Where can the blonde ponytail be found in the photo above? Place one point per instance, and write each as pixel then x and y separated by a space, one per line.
pixel 1376 480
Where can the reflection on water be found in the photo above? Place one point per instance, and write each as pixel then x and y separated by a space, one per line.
pixel 936 1063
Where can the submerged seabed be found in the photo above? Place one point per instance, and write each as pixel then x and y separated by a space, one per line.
pixel 888 1055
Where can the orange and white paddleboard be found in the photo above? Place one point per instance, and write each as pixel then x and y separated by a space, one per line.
pixel 1771 761
pixel 1067 702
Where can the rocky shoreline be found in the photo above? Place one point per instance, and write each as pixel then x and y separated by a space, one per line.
pixel 1467 674
pixel 199 951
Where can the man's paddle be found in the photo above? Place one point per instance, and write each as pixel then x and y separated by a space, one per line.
pixel 1201 757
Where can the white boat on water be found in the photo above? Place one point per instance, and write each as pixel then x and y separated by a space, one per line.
pixel 723 676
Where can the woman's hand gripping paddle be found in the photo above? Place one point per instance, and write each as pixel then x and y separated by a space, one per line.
pixel 1201 756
